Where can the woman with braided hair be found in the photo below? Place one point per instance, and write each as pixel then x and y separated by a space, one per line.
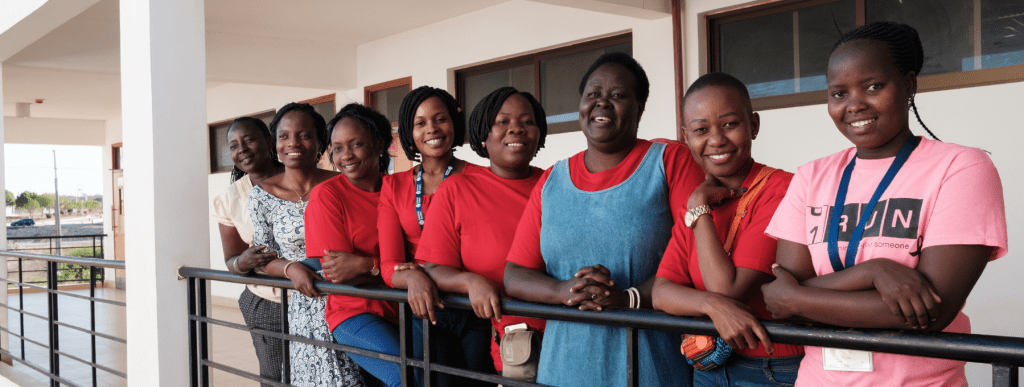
pixel 892 233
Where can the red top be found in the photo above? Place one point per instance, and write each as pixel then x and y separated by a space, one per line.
pixel 752 248
pixel 472 224
pixel 399 229
pixel 681 172
pixel 341 217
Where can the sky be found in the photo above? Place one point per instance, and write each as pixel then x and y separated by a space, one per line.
pixel 30 168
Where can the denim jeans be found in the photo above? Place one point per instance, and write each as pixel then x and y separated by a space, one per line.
pixel 744 371
pixel 369 331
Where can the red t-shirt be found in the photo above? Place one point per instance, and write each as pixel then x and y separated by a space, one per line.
pixel 341 217
pixel 681 172
pixel 752 249
pixel 399 229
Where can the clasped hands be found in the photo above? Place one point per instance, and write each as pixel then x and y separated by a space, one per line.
pixel 592 288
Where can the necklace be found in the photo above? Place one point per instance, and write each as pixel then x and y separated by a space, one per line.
pixel 299 204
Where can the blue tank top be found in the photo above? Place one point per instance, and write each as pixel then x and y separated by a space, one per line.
pixel 626 228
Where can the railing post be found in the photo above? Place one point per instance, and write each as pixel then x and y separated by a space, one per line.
pixel 21 306
pixel 1004 375
pixel 52 317
pixel 405 342
pixel 92 315
pixel 193 339
pixel 632 363
pixel 204 343
pixel 427 374
pixel 286 365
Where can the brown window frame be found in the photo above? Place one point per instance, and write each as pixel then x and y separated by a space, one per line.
pixel 709 51
pixel 534 58
pixel 213 137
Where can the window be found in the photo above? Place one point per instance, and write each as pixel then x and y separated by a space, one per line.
pixel 553 76
pixel 781 50
pixel 386 98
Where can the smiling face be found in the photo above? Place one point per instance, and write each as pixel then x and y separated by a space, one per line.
pixel 297 143
pixel 433 131
pixel 513 139
pixel 249 147
pixel 609 111
pixel 354 151
pixel 719 128
pixel 869 99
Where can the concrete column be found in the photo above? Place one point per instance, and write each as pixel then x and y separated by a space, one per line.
pixel 163 105
pixel 4 339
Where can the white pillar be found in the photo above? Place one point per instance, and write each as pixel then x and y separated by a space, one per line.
pixel 163 105
pixel 4 339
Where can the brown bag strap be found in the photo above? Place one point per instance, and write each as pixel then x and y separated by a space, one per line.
pixel 741 208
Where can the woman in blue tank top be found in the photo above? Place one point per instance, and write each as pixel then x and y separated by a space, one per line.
pixel 594 231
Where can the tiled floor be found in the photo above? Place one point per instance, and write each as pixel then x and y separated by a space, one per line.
pixel 230 347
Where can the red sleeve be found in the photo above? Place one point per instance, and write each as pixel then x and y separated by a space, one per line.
pixel 674 266
pixel 441 242
pixel 389 230
pixel 753 249
pixel 325 221
pixel 525 250
pixel 683 175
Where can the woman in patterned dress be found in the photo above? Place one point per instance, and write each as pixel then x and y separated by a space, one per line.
pixel 277 207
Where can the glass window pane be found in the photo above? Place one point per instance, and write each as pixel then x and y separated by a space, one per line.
pixel 759 52
pixel 1002 34
pixel 478 86
pixel 819 28
pixel 388 101
pixel 559 84
pixel 945 27
pixel 221 159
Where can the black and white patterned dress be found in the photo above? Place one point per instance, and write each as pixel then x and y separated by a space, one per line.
pixel 278 224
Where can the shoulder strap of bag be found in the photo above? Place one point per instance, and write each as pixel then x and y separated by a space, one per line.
pixel 741 208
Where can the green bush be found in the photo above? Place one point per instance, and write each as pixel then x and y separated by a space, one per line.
pixel 68 272
pixel 85 252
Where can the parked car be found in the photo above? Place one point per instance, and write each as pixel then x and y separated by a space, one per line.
pixel 23 222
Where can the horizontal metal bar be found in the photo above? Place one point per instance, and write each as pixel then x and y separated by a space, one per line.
pixel 91 332
pixel 943 345
pixel 36 368
pixel 23 338
pixel 66 293
pixel 247 375
pixel 56 237
pixel 24 312
pixel 93 365
pixel 96 262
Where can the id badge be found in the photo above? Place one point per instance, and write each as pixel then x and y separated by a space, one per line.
pixel 836 359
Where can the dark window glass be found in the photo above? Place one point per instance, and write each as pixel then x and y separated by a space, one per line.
pixel 388 101
pixel 944 27
pixel 1002 34
pixel 820 27
pixel 478 86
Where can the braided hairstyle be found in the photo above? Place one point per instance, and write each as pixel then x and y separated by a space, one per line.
pixel 371 121
pixel 261 127
pixel 318 124
pixel 486 111
pixel 643 85
pixel 904 48
pixel 407 114
pixel 720 80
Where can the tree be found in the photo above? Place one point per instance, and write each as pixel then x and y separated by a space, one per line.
pixel 91 205
pixel 23 199
pixel 45 200
pixel 32 206
pixel 10 198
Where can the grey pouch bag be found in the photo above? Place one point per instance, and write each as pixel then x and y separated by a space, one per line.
pixel 520 354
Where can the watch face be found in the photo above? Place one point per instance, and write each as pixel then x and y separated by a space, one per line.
pixel 689 219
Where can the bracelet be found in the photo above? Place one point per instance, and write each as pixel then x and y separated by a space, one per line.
pixel 233 264
pixel 634 298
pixel 286 269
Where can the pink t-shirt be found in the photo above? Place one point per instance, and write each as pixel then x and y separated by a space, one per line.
pixel 946 194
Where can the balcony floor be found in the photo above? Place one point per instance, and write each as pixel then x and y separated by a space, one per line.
pixel 230 347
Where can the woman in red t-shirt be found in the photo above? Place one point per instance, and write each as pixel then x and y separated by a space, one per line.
pixel 341 218
pixel 475 215
pixel 714 265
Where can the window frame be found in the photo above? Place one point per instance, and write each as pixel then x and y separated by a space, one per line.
pixel 400 161
pixel 212 136
pixel 534 58
pixel 709 60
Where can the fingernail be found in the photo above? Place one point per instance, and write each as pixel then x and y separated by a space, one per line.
pixel 774 265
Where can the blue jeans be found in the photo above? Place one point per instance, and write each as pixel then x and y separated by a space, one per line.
pixel 371 332
pixel 744 371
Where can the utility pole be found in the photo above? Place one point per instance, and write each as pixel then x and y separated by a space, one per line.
pixel 56 201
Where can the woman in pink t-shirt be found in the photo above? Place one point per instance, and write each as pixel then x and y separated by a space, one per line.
pixel 856 251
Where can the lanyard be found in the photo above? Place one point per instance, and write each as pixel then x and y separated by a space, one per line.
pixel 837 209
pixel 419 188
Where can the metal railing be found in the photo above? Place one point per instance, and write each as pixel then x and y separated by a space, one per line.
pixel 52 315
pixel 1005 354
pixel 91 246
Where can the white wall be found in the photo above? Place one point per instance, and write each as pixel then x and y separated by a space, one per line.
pixel 53 131
pixel 985 117
pixel 112 135
pixel 429 53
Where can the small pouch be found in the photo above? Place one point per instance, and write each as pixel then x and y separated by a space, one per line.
pixel 705 353
pixel 520 354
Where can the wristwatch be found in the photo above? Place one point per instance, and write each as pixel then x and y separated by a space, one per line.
pixel 376 266
pixel 694 213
